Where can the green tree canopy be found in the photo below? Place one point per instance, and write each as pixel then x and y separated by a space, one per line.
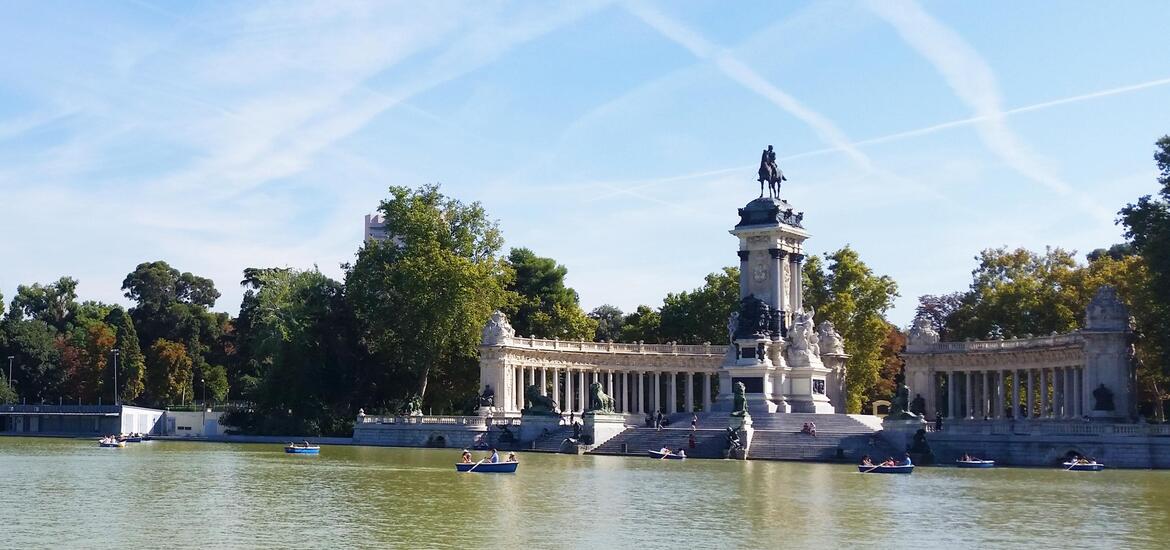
pixel 609 323
pixel 849 294
pixel 131 361
pixel 544 307
pixel 54 303
pixel 422 296
pixel 168 379
pixel 643 325
pixel 701 315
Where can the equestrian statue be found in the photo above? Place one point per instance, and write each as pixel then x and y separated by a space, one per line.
pixel 770 173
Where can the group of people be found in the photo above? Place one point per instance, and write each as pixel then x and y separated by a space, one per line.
pixel 493 458
pixel 889 461
pixel 809 428
pixel 1078 460
pixel 968 458
pixel 666 451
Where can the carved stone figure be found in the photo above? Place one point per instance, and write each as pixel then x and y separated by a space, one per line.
pixel 739 400
pixel 922 333
pixel 830 341
pixel 599 402
pixel 1102 399
pixel 733 439
pixel 803 341
pixel 770 173
pixel 412 406
pixel 732 325
pixel 900 404
pixel 497 331
pixel 488 397
pixel 918 406
pixel 538 404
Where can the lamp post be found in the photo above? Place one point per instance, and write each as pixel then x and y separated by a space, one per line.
pixel 203 382
pixel 10 358
pixel 115 350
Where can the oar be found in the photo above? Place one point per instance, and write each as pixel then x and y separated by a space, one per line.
pixel 1074 465
pixel 476 464
pixel 872 469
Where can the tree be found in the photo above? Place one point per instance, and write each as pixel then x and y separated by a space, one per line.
pixel 609 323
pixel 1018 293
pixel 422 296
pixel 892 363
pixel 938 310
pixel 33 343
pixel 545 307
pixel 7 392
pixel 216 382
pixel 855 300
pixel 701 315
pixel 1147 226
pixel 643 325
pixel 168 379
pixel 54 303
pixel 131 361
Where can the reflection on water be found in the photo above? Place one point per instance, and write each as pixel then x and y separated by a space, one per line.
pixel 70 493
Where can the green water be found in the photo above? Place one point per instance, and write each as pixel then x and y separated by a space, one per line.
pixel 64 493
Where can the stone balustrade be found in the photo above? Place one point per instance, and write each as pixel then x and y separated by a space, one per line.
pixel 614 347
pixel 1056 340
pixel 448 420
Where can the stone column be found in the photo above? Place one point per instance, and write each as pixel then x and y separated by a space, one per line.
pixel 556 387
pixel 776 271
pixel 967 402
pixel 706 392
pixel 1067 409
pixel 1015 395
pixel 567 404
pixel 1000 393
pixel 641 392
pixel 520 389
pixel 1078 392
pixel 1031 395
pixel 625 377
pixel 985 398
pixel 672 387
pixel 544 381
pixel 690 388
pixel 797 282
pixel 744 272
pixel 951 393
pixel 657 401
pixel 609 384
pixel 583 392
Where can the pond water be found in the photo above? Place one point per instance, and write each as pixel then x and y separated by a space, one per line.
pixel 68 493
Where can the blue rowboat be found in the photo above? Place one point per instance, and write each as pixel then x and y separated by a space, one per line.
pixel 111 444
pixel 487 467
pixel 975 463
pixel 132 439
pixel 907 469
pixel 668 456
pixel 302 449
pixel 1090 467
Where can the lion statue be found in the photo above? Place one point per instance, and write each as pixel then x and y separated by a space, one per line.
pixel 598 400
pixel 538 404
pixel 739 400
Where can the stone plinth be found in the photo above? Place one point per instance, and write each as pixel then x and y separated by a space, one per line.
pixel 900 432
pixel 533 426
pixel 743 426
pixel 600 427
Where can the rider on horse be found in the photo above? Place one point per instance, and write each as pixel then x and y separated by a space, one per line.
pixel 770 172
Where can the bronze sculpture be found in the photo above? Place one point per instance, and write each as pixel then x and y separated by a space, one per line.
pixel 769 172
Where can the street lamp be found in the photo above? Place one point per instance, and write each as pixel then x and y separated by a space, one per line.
pixel 10 358
pixel 115 350
pixel 203 382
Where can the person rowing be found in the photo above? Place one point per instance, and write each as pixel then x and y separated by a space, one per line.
pixel 466 456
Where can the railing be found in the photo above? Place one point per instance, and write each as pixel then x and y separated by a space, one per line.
pixel 447 420
pixel 61 409
pixel 615 347
pixel 1057 340
pixel 1051 427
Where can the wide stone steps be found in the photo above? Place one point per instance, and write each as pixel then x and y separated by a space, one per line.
pixel 708 443
pixel 552 441
pixel 770 445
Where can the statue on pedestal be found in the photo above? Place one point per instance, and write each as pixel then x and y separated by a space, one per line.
pixel 599 402
pixel 900 404
pixel 770 173
pixel 538 404
pixel 829 340
pixel 754 319
pixel 918 406
pixel 922 333
pixel 739 400
pixel 497 331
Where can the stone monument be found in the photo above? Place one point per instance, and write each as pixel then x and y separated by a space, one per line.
pixel 782 370
pixel 739 425
pixel 600 421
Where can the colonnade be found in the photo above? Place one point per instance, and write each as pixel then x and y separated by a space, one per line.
pixel 633 391
pixel 1034 392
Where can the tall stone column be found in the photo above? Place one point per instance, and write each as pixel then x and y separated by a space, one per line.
pixel 797 282
pixel 744 272
pixel 1031 395
pixel 1079 391
pixel 952 402
pixel 544 381
pixel 985 398
pixel 567 404
pixel 583 391
pixel 1001 392
pixel 967 395
pixel 776 271
pixel 1014 399
pixel 641 392
pixel 706 392
pixel 556 387
pixel 690 388
pixel 672 387
pixel 656 393
pixel 1068 392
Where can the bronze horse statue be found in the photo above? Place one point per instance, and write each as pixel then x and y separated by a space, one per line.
pixel 770 173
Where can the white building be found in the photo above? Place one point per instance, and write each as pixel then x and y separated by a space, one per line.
pixel 375 228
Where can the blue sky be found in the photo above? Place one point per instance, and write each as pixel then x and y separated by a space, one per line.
pixel 618 138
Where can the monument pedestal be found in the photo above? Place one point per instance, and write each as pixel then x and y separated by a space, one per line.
pixel 899 432
pixel 600 427
pixel 742 426
pixel 535 425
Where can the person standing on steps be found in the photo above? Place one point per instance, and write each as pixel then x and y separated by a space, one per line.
pixel 694 422
pixel 658 420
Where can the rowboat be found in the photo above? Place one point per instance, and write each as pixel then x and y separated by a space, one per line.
pixel 487 467
pixel 1084 466
pixel 904 469
pixel 132 439
pixel 111 443
pixel 668 456
pixel 297 449
pixel 975 463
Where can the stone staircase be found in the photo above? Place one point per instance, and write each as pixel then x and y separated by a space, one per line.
pixel 709 443
pixel 552 442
